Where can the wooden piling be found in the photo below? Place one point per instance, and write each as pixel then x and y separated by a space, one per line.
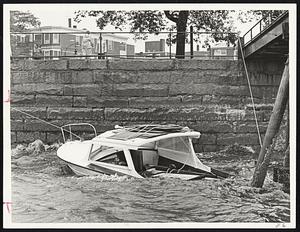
pixel 273 127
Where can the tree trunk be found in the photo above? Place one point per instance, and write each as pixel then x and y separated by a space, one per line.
pixel 180 37
pixel 273 127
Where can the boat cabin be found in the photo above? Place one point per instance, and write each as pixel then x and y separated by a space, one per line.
pixel 144 147
pixel 138 151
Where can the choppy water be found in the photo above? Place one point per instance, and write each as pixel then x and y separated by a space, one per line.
pixel 43 193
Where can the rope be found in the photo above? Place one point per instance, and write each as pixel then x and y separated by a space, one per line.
pixel 51 124
pixel 249 85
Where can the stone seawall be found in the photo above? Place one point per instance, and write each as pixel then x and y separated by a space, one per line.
pixel 210 96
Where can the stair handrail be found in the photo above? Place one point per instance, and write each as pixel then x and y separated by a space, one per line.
pixel 271 22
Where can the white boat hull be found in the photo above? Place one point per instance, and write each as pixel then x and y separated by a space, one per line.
pixel 84 171
pixel 81 171
pixel 177 176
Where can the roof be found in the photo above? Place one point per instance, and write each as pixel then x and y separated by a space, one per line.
pixel 60 29
pixel 56 29
pixel 137 136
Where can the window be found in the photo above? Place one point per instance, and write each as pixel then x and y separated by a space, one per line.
pixel 104 47
pixel 28 38
pixel 177 144
pixel 110 45
pixel 175 149
pixel 46 38
pixel 117 158
pixel 55 38
pixel 95 43
pixel 77 40
pixel 47 54
pixel 98 47
pixel 38 39
pixel 56 54
pixel 122 47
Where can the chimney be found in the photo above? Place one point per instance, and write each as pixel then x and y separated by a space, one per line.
pixel 70 22
pixel 74 26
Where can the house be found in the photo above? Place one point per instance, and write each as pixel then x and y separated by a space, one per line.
pixel 52 42
pixel 115 46
pixel 155 48
pixel 228 53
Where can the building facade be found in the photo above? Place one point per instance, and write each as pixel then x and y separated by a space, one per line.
pixel 55 42
pixel 155 48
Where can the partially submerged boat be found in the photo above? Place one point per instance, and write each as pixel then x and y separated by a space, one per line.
pixel 138 151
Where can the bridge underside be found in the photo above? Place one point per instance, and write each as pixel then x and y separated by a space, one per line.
pixel 277 49
pixel 273 43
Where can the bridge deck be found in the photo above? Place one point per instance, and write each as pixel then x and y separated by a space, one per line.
pixel 270 41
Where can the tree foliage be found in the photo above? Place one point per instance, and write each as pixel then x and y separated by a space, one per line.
pixel 151 21
pixel 22 21
pixel 219 22
pixel 255 15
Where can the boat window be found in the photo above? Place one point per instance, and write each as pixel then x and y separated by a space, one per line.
pixel 117 158
pixel 96 151
pixel 177 144
pixel 137 159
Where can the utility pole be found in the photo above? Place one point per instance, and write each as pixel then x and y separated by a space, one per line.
pixel 191 42
pixel 170 45
pixel 273 127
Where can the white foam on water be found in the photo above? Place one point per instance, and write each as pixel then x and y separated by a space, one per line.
pixel 103 178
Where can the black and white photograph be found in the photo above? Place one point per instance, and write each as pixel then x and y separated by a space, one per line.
pixel 149 115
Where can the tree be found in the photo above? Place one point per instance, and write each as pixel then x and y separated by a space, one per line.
pixel 255 15
pixel 155 21
pixel 22 21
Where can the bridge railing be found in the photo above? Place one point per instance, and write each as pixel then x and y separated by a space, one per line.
pixel 261 26
pixel 72 44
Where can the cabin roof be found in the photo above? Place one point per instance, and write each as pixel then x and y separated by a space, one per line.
pixel 136 136
pixel 146 131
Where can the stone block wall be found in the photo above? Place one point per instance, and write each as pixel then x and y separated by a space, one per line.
pixel 210 96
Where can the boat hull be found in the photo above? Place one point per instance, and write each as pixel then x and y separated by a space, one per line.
pixel 92 170
pixel 85 171
pixel 81 171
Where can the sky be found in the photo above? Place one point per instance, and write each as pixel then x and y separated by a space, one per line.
pixel 58 14
pixel 45 14
pixel 62 15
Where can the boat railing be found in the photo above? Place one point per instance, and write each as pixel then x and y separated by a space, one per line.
pixel 72 135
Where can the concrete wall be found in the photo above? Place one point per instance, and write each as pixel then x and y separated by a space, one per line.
pixel 210 96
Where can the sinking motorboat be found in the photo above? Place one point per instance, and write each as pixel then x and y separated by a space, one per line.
pixel 138 151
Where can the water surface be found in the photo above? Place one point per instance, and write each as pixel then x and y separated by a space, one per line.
pixel 42 192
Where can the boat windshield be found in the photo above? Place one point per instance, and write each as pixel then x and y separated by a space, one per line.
pixel 178 149
pixel 96 150
pixel 180 144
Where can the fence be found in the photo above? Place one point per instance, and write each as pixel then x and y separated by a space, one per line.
pixel 79 44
